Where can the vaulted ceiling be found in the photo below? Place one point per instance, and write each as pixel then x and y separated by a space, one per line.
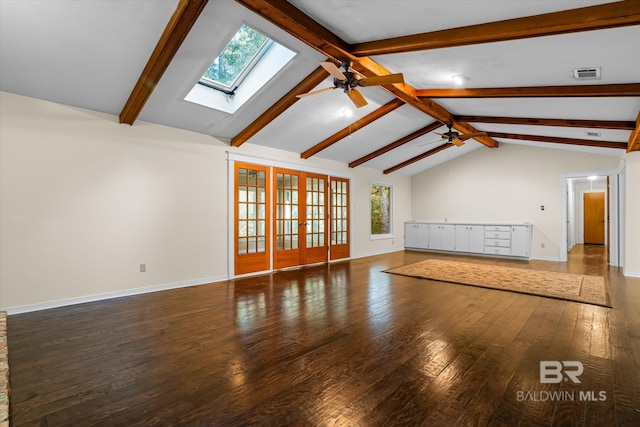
pixel 138 59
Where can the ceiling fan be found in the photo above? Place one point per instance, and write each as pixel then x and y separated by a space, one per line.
pixel 456 138
pixel 349 79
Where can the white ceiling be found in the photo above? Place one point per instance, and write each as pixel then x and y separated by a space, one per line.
pixel 90 54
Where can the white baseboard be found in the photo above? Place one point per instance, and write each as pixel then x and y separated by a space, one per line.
pixel 109 295
pixel 627 273
pixel 546 258
pixel 377 253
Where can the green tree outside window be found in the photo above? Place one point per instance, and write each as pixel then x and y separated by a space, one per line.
pixel 380 197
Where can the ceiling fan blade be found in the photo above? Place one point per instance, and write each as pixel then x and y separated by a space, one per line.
pixel 381 80
pixel 471 135
pixel 357 98
pixel 457 142
pixel 333 70
pixel 316 92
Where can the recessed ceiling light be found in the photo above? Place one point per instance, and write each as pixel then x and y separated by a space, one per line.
pixel 459 79
pixel 593 178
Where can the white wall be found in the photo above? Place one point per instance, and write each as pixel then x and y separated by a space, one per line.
pixel 84 201
pixel 632 214
pixel 505 184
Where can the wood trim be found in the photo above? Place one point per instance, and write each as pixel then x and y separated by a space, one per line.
pixel 185 15
pixel 359 124
pixel 425 130
pixel 625 89
pixel 558 140
pixel 594 124
pixel 418 158
pixel 308 83
pixel 610 15
pixel 634 138
pixel 292 20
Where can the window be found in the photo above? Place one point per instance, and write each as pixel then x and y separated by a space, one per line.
pixel 236 60
pixel 381 218
pixel 243 67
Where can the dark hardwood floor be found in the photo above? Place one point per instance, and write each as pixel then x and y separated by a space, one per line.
pixel 340 344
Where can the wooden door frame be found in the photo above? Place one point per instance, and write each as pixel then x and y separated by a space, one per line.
pixel 616 212
pixel 233 157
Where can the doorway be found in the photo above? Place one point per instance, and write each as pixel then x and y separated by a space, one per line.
pixel 594 218
pixel 573 187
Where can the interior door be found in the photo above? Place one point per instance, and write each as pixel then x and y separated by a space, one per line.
pixel 594 218
pixel 251 218
pixel 300 232
pixel 339 218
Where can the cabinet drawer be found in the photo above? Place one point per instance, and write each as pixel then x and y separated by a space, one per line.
pixel 501 243
pixel 497 251
pixel 497 228
pixel 497 234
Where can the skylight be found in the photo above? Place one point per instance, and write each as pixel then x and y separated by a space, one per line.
pixel 237 58
pixel 243 67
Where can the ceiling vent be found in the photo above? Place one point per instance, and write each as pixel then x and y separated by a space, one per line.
pixel 589 73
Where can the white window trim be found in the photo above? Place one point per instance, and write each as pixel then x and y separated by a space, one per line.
pixel 388 235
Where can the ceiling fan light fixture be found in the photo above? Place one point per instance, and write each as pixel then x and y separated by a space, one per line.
pixel 459 79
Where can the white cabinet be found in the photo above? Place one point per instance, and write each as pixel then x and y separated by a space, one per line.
pixel 442 237
pixel 469 238
pixel 520 240
pixel 416 235
pixel 497 240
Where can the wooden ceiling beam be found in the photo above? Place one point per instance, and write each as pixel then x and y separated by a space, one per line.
pixel 418 158
pixel 292 20
pixel 185 15
pixel 295 22
pixel 611 90
pixel 593 124
pixel 634 138
pixel 312 80
pixel 558 140
pixel 417 134
pixel 359 124
pixel 610 15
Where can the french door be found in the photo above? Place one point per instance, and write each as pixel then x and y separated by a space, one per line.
pixel 284 218
pixel 300 232
pixel 252 214
pixel 339 217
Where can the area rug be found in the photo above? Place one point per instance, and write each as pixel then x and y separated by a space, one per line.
pixel 564 286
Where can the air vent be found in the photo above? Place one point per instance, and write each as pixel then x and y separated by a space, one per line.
pixel 593 134
pixel 590 73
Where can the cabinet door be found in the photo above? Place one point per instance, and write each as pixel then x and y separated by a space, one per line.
pixel 422 233
pixel 448 242
pixel 462 238
pixel 520 240
pixel 435 236
pixel 476 239
pixel 410 235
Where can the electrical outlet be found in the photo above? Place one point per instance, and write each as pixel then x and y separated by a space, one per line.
pixel 143 268
pixel 542 245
